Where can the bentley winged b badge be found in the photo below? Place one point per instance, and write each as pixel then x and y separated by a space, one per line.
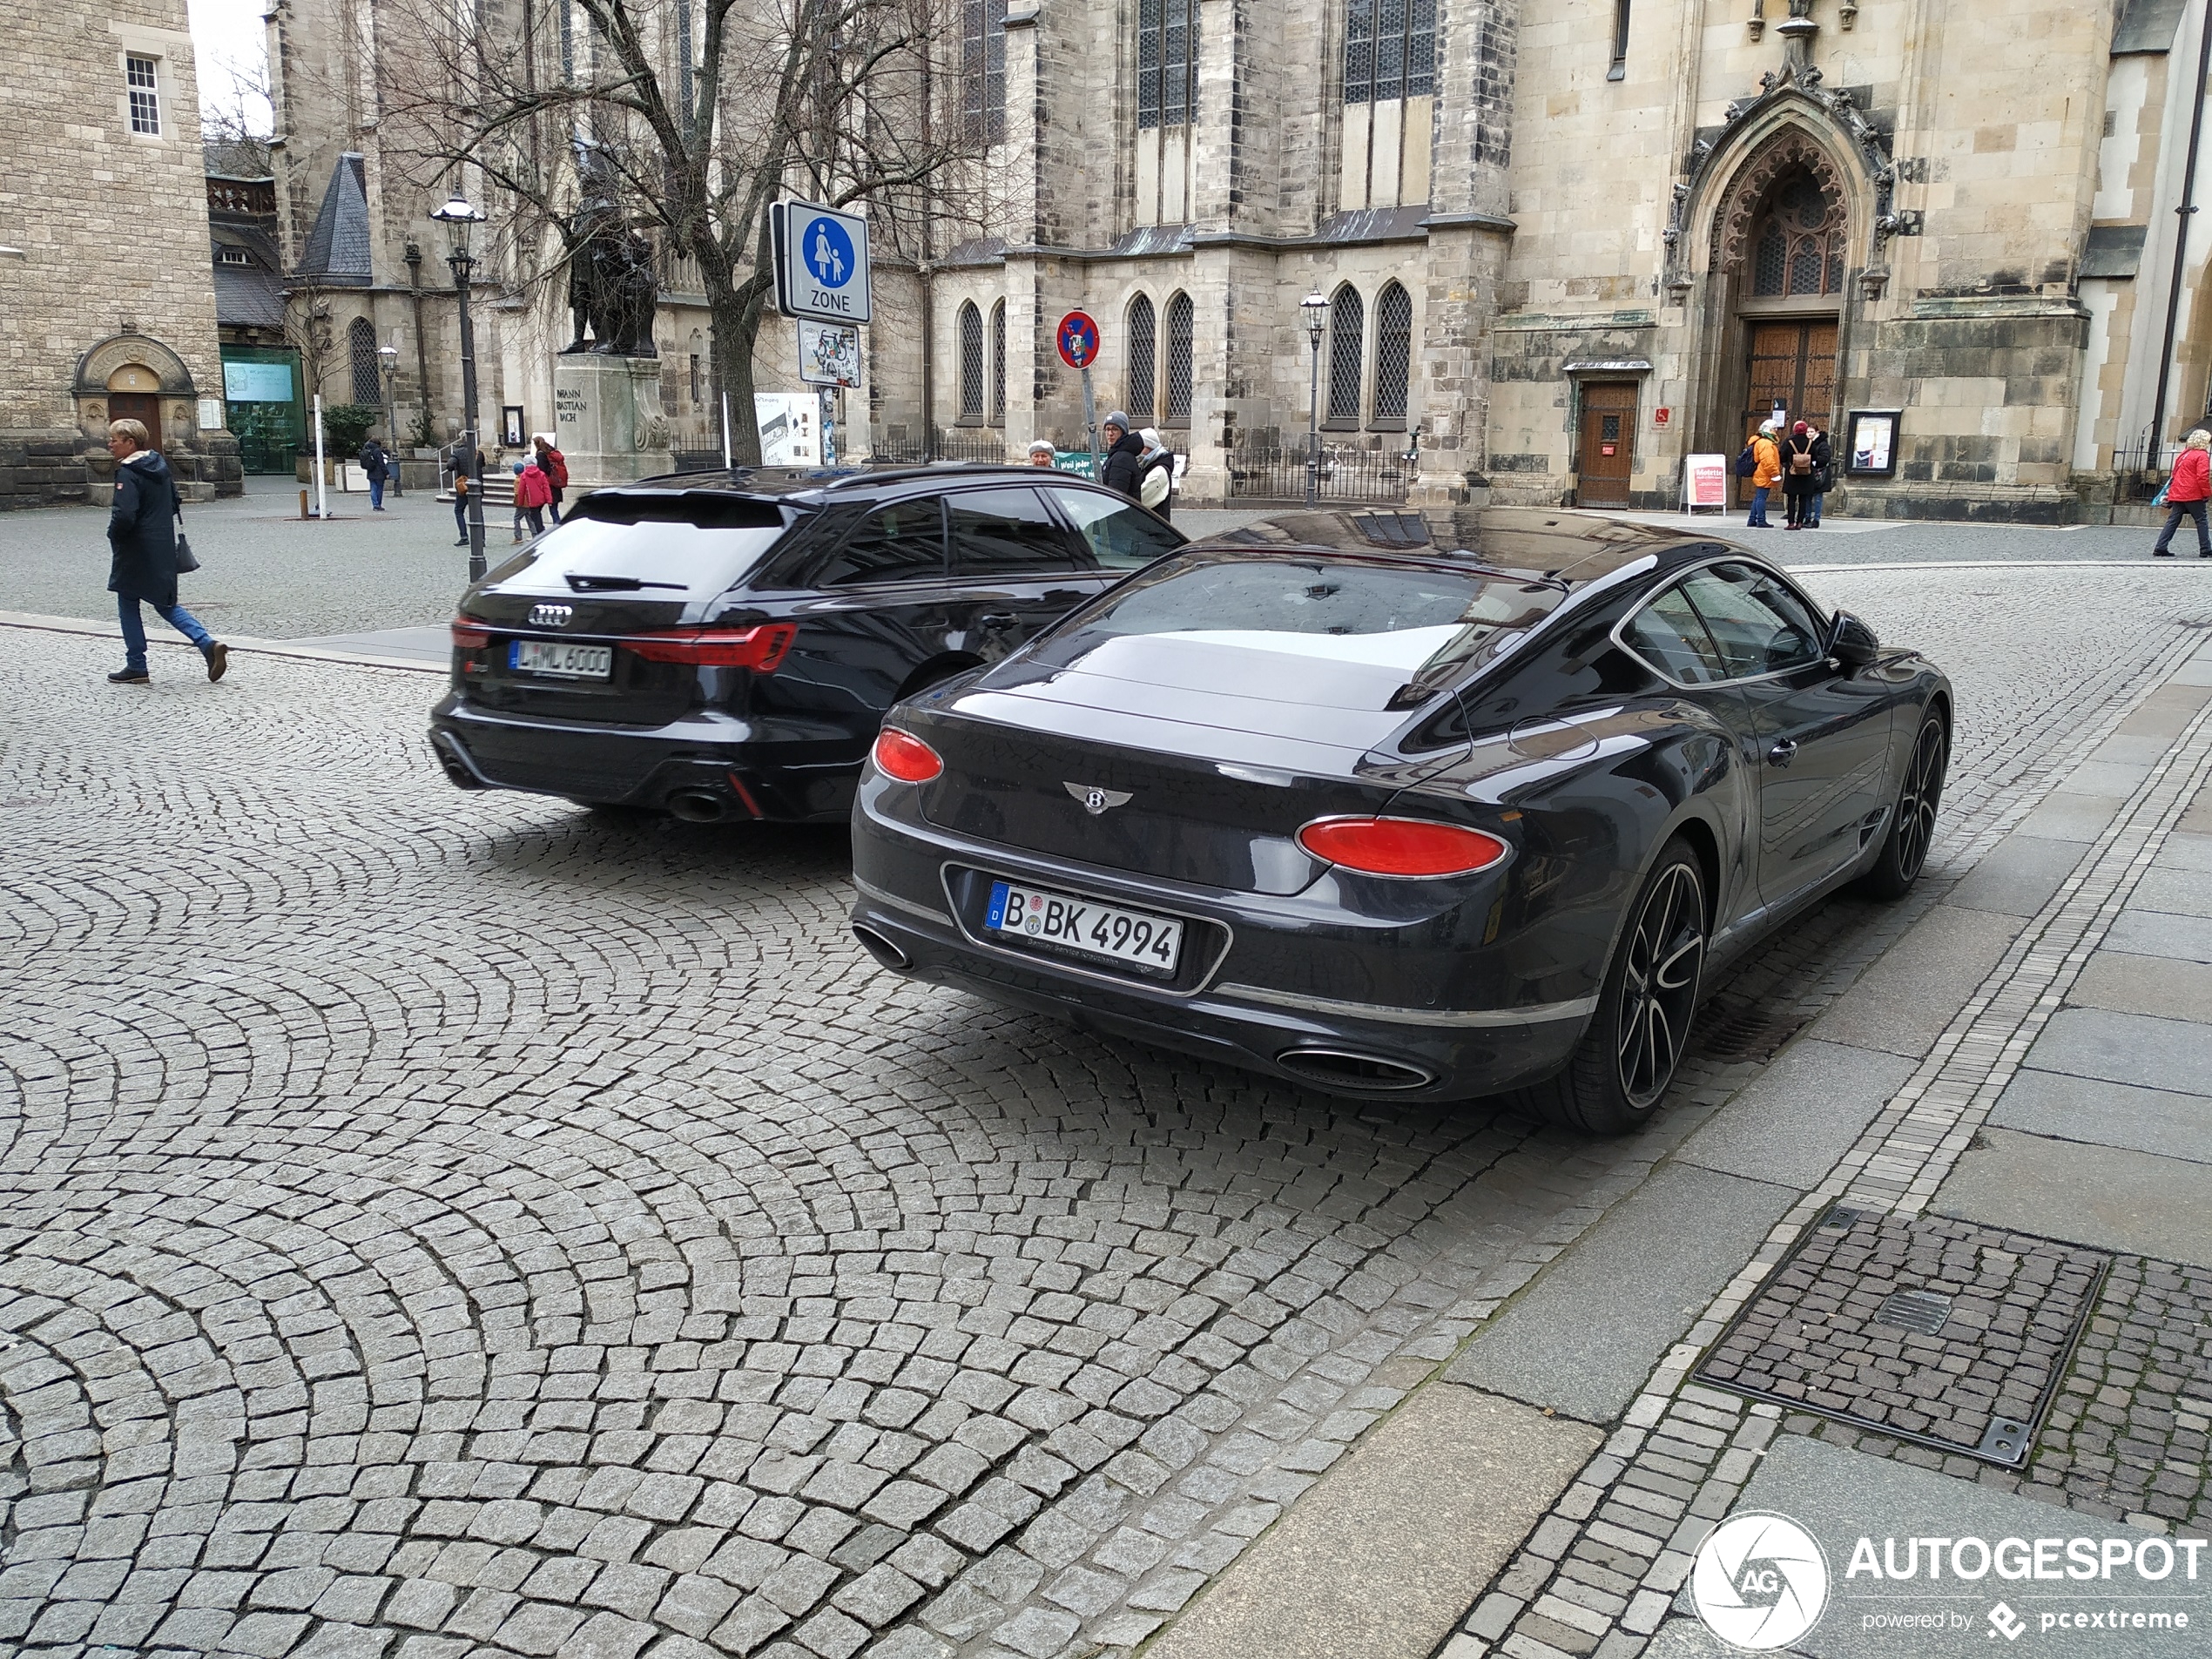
pixel 1096 801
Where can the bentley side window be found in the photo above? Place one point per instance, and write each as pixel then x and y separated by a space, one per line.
pixel 1669 636
pixel 1760 626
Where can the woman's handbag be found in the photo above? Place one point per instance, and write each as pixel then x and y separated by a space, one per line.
pixel 2159 499
pixel 186 562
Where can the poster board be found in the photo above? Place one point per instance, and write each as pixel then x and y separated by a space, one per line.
pixel 1705 482
pixel 829 353
pixel 1870 443
pixel 790 425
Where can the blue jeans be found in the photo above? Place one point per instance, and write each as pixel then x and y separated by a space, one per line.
pixel 1817 500
pixel 134 629
pixel 1758 507
pixel 376 495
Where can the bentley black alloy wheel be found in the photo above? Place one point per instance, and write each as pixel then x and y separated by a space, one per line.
pixel 1637 1038
pixel 1905 849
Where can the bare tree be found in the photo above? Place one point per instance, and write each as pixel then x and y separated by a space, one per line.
pixel 705 111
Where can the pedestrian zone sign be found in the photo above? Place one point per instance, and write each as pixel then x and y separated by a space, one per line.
pixel 821 263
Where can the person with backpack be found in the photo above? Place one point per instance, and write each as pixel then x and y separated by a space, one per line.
pixel 376 467
pixel 142 538
pixel 1155 482
pixel 2186 494
pixel 555 466
pixel 1805 462
pixel 1761 461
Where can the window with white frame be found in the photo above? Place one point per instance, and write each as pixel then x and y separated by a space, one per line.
pixel 1167 63
pixel 146 95
pixel 1389 49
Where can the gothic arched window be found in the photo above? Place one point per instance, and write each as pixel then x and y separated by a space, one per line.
pixel 1393 351
pixel 1798 246
pixel 998 364
pixel 1143 357
pixel 971 361
pixel 1347 353
pixel 361 354
pixel 1181 344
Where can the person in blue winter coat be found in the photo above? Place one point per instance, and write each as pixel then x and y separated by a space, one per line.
pixel 142 534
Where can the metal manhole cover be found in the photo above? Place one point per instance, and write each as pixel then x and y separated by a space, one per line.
pixel 1936 1331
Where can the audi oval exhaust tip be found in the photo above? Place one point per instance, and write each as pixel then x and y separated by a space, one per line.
pixel 880 946
pixel 1342 1069
pixel 699 806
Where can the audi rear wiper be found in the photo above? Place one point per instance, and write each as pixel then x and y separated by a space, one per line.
pixel 616 583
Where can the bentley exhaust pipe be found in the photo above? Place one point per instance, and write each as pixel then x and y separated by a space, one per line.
pixel 1342 1069
pixel 699 806
pixel 881 946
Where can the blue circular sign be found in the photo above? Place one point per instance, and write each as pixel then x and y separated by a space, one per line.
pixel 828 252
pixel 1078 339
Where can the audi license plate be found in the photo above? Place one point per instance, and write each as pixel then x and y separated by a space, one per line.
pixel 1083 925
pixel 559 657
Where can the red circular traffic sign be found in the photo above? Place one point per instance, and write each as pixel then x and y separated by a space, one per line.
pixel 1078 339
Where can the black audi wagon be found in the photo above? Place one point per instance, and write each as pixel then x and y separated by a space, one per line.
pixel 725 644
pixel 1444 805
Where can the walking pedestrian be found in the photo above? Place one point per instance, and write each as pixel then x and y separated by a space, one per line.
pixel 533 495
pixel 142 536
pixel 1041 452
pixel 1155 483
pixel 555 466
pixel 1803 454
pixel 2186 492
pixel 463 481
pixel 1827 478
pixel 376 467
pixel 1766 471
pixel 1124 468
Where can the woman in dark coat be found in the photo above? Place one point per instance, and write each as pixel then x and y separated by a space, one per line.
pixel 142 533
pixel 1805 458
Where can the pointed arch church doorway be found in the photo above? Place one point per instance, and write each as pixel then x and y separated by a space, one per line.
pixel 1790 298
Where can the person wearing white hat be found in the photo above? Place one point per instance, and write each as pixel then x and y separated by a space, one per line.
pixel 1040 451
pixel 1155 482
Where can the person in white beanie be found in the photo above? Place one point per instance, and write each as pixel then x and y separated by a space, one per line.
pixel 1156 479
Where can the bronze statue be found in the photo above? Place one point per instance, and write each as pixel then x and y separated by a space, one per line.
pixel 613 290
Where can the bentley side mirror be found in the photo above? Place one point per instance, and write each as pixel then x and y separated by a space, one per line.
pixel 1851 642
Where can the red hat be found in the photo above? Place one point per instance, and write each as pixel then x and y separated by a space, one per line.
pixel 1799 427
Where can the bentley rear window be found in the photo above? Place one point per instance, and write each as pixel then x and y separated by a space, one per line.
pixel 1413 619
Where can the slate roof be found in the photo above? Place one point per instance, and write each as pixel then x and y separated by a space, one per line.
pixel 337 254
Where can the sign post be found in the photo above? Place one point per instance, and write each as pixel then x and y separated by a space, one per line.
pixel 1077 338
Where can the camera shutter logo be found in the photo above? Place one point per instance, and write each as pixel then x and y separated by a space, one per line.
pixel 1760 1583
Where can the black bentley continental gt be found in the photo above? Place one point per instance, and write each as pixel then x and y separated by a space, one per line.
pixel 725 644
pixel 1441 804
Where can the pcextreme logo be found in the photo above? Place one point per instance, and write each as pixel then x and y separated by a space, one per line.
pixel 1760 1581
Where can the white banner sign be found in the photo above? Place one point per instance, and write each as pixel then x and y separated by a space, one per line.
pixel 790 428
pixel 829 353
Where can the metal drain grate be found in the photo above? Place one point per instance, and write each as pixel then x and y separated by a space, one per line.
pixel 1921 1311
pixel 1745 1033
pixel 1931 1331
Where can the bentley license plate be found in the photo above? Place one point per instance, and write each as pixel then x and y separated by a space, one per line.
pixel 1084 924
pixel 559 657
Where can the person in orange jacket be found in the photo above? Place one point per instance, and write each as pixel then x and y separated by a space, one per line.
pixel 1766 472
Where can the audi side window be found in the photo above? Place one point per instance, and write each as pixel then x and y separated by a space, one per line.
pixel 904 541
pixel 1006 533
pixel 1760 626
pixel 1670 636
pixel 1121 535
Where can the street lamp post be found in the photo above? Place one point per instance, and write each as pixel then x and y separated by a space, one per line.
pixel 1316 307
pixel 388 356
pixel 459 219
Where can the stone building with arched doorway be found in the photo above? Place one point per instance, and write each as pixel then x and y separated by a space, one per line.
pixel 109 304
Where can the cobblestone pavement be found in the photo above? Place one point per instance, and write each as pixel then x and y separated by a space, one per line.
pixel 435 1224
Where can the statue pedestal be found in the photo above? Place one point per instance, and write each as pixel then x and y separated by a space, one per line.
pixel 607 419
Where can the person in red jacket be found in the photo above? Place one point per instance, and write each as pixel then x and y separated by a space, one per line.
pixel 2186 492
pixel 533 495
pixel 555 466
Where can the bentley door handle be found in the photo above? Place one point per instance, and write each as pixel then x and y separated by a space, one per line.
pixel 1783 753
pixel 996 620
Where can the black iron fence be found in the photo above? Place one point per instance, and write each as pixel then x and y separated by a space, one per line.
pixel 1276 471
pixel 902 446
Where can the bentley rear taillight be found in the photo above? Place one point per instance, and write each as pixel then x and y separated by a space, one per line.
pixel 759 649
pixel 1401 847
pixel 902 755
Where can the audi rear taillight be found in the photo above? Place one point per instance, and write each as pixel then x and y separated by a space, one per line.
pixel 759 649
pixel 1401 847
pixel 902 755
pixel 469 635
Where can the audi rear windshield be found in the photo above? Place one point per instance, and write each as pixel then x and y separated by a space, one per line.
pixel 1419 621
pixel 656 547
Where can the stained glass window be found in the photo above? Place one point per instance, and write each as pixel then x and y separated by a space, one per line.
pixel 1348 351
pixel 998 364
pixel 1798 246
pixel 1167 63
pixel 360 355
pixel 982 70
pixel 971 361
pixel 1393 352
pixel 1180 349
pixel 1144 355
pixel 1389 49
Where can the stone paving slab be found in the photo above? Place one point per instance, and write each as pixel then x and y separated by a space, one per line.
pixel 2018 876
pixel 2107 1196
pixel 1585 1336
pixel 1791 1122
pixel 1906 999
pixel 2082 1108
pixel 2157 986
pixel 2072 817
pixel 2150 1052
pixel 2150 932
pixel 2186 852
pixel 1382 1556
